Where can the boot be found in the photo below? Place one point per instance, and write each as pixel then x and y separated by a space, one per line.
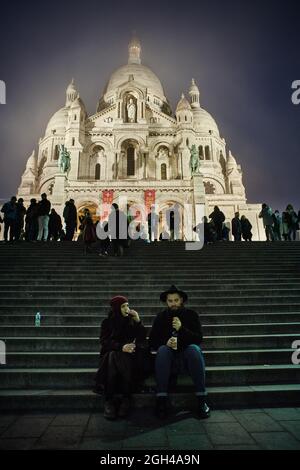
pixel 110 411
pixel 203 409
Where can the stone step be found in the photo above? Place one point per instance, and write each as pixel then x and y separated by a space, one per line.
pixel 95 320
pixel 102 301
pixel 91 344
pixel 84 377
pixel 79 359
pixel 104 293
pixel 257 396
pixel 145 310
pixel 90 331
pixel 133 286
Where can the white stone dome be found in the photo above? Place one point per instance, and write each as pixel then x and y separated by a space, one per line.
pixel 58 121
pixel 183 104
pixel 141 74
pixel 204 122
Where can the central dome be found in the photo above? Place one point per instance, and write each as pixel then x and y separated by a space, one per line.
pixel 141 74
pixel 134 69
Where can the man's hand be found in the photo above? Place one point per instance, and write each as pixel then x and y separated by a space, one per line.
pixel 172 343
pixel 129 348
pixel 134 315
pixel 176 323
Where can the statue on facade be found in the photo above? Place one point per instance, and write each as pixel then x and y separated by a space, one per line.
pixel 131 110
pixel 194 160
pixel 64 159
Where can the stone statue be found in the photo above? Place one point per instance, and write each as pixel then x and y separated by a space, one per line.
pixel 64 159
pixel 194 160
pixel 131 110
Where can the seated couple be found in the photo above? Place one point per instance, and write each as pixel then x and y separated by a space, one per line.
pixel 175 339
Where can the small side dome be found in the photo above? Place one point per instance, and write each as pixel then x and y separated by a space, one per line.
pixel 58 121
pixel 231 161
pixel 71 93
pixel 193 88
pixel 31 162
pixel 183 104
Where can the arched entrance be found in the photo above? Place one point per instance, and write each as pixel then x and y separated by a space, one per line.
pixel 92 207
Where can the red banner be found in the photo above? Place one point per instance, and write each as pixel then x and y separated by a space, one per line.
pixel 149 199
pixel 107 200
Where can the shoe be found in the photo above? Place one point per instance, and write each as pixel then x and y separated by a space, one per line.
pixel 161 408
pixel 124 407
pixel 110 411
pixel 203 409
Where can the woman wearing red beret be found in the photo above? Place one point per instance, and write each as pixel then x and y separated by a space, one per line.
pixel 121 336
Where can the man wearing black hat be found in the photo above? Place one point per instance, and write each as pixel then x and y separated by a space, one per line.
pixel 176 335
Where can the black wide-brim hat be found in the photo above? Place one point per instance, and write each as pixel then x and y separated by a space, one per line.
pixel 173 290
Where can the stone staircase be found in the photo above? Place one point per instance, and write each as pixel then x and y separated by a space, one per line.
pixel 248 295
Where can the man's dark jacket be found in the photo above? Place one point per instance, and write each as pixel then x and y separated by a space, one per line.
pixel 44 207
pixel 189 333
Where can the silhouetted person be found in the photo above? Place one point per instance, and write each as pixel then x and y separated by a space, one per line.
pixel 285 226
pixel 236 227
pixel 173 218
pixel 31 221
pixel 117 225
pixel 218 219
pixel 10 215
pixel 89 231
pixel 292 222
pixel 277 227
pixel 55 225
pixel 20 216
pixel 153 224
pixel 267 215
pixel 70 217
pixel 44 207
pixel 246 229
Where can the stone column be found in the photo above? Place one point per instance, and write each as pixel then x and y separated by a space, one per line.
pixel 58 194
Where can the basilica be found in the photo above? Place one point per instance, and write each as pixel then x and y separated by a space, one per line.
pixel 136 146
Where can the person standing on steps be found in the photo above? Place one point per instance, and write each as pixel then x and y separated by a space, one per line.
pixel 218 218
pixel 10 216
pixel 122 338
pixel 44 207
pixel 236 227
pixel 176 336
pixel 70 217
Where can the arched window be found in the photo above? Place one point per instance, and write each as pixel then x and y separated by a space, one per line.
pixel 97 171
pixel 130 161
pixel 201 154
pixel 56 152
pixel 73 141
pixel 207 152
pixel 163 171
pixel 187 142
pixel 185 118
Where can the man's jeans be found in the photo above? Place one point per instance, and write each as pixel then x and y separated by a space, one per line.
pixel 43 227
pixel 167 361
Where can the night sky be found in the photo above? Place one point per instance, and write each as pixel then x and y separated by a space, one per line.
pixel 244 57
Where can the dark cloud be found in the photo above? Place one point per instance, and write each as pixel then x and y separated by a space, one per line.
pixel 243 56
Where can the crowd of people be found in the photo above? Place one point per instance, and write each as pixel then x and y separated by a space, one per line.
pixel 40 222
